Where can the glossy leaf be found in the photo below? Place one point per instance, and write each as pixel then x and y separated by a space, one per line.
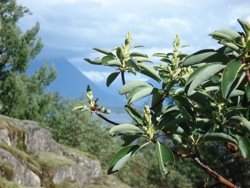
pixel 132 85
pixel 139 92
pixel 134 64
pixel 236 92
pixel 136 54
pixel 112 63
pixel 243 122
pixel 103 51
pixel 94 62
pixel 205 56
pixel 111 78
pixel 128 139
pixel 125 129
pixel 164 156
pixel 218 137
pixel 185 106
pixel 244 146
pixel 245 26
pixel 229 76
pixel 150 72
pixel 202 74
pixel 121 158
pixel 225 34
pixel 134 114
pixel 120 53
pixel 157 101
pixel 107 58
pixel 247 90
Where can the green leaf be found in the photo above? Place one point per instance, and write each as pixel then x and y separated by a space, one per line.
pixel 160 54
pixel 103 51
pixel 94 62
pixel 139 92
pixel 205 56
pixel 236 92
pixel 185 107
pixel 243 122
pixel 157 100
pixel 245 26
pixel 247 90
pixel 248 45
pixel 142 59
pixel 107 58
pixel 150 72
pixel 136 54
pixel 125 129
pixel 218 137
pixel 120 53
pixel 134 64
pixel 121 157
pixel 128 139
pixel 164 156
pixel 112 63
pixel 229 76
pixel 134 114
pixel 226 34
pixel 244 146
pixel 230 45
pixel 111 78
pixel 172 126
pixel 202 74
pixel 130 86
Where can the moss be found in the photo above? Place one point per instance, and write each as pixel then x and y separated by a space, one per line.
pixel 107 181
pixel 23 157
pixel 6 169
pixel 15 132
pixel 67 184
pixel 49 163
pixel 68 150
pixel 8 184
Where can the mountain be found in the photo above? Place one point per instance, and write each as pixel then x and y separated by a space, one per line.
pixel 71 83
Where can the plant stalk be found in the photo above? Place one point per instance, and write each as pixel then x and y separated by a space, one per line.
pixel 214 174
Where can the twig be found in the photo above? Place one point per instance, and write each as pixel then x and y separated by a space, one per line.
pixel 106 119
pixel 214 174
pixel 123 77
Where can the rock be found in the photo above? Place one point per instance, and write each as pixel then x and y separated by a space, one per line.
pixel 4 136
pixel 38 139
pixel 22 174
pixel 30 157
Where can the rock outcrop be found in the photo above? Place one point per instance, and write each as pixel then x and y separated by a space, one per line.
pixel 29 157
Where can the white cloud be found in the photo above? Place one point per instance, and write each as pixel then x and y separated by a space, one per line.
pixel 80 25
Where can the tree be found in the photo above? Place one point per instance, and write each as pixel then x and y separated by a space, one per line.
pixel 16 48
pixel 21 96
pixel 210 94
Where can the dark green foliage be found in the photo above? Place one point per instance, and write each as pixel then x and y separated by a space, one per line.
pixel 21 96
pixel 16 47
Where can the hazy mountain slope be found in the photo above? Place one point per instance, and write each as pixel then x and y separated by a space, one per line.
pixel 71 83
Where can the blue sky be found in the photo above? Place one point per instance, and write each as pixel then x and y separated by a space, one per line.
pixel 71 28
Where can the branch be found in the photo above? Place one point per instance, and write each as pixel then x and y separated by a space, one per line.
pixel 248 76
pixel 106 119
pixel 214 174
pixel 123 77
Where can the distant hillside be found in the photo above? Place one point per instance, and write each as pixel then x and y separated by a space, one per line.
pixel 71 83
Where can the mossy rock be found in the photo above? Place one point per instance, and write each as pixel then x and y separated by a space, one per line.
pixel 6 169
pixel 50 163
pixel 16 134
pixel 4 183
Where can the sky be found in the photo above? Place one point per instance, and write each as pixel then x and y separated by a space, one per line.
pixel 71 28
